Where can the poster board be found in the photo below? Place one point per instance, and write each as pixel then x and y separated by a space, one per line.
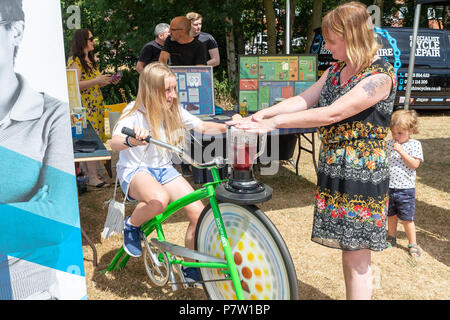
pixel 195 86
pixel 73 89
pixel 265 80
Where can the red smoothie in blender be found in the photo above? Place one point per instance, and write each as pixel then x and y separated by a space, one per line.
pixel 243 156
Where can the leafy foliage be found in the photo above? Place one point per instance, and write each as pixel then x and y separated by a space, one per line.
pixel 222 93
pixel 123 27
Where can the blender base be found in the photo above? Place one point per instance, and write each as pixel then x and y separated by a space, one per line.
pixel 243 196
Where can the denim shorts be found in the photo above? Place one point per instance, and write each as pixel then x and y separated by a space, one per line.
pixel 402 203
pixel 162 175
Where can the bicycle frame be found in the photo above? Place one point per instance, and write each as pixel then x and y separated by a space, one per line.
pixel 207 191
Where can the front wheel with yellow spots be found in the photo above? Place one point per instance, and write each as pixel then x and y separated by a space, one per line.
pixel 260 253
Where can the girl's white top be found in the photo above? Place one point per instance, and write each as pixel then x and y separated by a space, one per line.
pixel 400 175
pixel 131 158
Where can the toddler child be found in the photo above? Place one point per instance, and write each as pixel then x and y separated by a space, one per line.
pixel 405 156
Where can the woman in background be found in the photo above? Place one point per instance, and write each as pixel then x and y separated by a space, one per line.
pixel 90 80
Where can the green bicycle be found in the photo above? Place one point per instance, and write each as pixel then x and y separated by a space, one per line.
pixel 240 253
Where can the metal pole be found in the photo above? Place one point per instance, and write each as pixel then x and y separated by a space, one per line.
pixel 288 26
pixel 412 56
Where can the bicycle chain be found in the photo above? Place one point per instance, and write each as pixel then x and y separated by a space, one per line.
pixel 393 42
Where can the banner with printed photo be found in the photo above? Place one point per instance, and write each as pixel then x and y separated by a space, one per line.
pixel 40 240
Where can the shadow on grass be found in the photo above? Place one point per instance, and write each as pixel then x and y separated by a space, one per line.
pixel 433 233
pixel 307 292
pixel 132 282
pixel 289 190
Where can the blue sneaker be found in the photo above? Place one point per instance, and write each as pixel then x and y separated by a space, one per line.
pixel 191 274
pixel 132 239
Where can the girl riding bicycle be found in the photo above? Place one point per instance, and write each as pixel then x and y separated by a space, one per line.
pixel 145 171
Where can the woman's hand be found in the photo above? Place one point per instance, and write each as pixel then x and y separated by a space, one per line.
pixel 116 81
pixel 257 125
pixel 103 79
pixel 254 123
pixel 116 77
pixel 236 119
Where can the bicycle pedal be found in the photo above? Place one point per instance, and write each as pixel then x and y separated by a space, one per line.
pixel 173 284
pixel 153 255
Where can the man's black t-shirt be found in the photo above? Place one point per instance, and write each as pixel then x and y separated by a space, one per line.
pixel 150 52
pixel 209 42
pixel 188 54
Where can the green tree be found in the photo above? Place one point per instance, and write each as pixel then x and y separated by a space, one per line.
pixel 122 27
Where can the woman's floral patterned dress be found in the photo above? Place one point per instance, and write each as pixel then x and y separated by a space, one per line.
pixel 92 100
pixel 353 174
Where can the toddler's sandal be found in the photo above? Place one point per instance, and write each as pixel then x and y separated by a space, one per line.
pixel 391 241
pixel 414 251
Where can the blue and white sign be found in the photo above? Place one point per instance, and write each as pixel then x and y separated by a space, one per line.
pixel 40 238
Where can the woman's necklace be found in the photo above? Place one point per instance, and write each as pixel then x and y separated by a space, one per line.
pixel 346 74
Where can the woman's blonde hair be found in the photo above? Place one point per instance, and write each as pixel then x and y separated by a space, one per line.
pixel 405 119
pixel 351 22
pixel 152 96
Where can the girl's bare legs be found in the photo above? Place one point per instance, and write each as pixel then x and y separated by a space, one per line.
pixel 151 196
pixel 357 274
pixel 153 199
pixel 180 187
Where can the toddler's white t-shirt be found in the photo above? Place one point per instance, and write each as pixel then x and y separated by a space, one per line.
pixel 400 175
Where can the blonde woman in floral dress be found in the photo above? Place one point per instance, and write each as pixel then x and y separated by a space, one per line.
pixel 355 100
pixel 90 80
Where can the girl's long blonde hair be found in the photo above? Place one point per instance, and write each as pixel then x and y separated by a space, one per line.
pixel 160 115
pixel 351 22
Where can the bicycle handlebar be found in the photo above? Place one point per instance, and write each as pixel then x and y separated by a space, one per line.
pixel 217 162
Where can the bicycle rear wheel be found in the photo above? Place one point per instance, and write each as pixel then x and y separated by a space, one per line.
pixel 260 253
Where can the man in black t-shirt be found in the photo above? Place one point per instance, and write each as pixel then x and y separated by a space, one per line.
pixel 150 52
pixel 212 49
pixel 180 47
pixel 182 50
